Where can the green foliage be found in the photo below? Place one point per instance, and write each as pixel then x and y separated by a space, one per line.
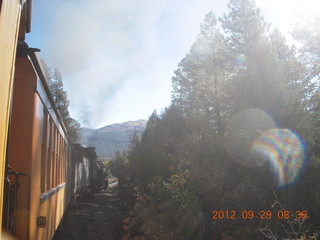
pixel 307 33
pixel 61 101
pixel 181 165
pixel 119 166
pixel 201 82
pixel 170 211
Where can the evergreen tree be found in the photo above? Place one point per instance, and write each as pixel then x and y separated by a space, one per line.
pixel 201 82
pixel 60 96
pixel 119 166
pixel 61 101
pixel 265 70
pixel 182 158
pixel 307 34
pixel 245 28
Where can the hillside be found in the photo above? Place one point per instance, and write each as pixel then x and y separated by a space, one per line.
pixel 110 138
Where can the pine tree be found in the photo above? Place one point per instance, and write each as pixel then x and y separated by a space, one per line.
pixel 200 84
pixel 248 66
pixel 265 70
pixel 308 36
pixel 60 98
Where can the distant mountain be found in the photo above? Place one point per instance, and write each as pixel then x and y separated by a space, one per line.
pixel 111 138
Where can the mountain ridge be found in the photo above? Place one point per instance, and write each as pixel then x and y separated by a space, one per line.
pixel 110 138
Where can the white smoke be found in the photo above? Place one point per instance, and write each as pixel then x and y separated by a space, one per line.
pixel 117 57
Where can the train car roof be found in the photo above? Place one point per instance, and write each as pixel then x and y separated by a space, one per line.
pixel 82 151
pixel 25 18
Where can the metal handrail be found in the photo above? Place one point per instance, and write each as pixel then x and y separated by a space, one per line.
pixel 17 174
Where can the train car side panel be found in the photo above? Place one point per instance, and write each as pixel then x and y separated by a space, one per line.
pixel 54 161
pixel 52 209
pixel 39 154
pixel 35 165
pixel 20 143
pixel 9 27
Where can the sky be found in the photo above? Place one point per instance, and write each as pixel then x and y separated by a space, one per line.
pixel 117 57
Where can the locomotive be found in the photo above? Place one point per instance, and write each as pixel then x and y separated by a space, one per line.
pixel 41 171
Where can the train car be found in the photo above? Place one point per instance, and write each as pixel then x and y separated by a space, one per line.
pixel 84 171
pixel 30 210
pixel 44 171
pixel 38 174
pixel 39 154
pixel 15 22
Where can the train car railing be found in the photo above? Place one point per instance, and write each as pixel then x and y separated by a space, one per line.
pixel 7 214
pixel 11 201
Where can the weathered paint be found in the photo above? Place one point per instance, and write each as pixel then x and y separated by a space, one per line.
pixel 9 27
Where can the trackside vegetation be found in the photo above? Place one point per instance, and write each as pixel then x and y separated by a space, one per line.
pixel 237 153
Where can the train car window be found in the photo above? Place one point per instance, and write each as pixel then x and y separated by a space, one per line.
pixel 58 159
pixel 65 157
pixel 44 151
pixel 63 161
pixel 52 156
pixel 61 158
pixel 54 159
pixel 49 156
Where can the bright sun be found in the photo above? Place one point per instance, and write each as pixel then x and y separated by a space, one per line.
pixel 286 13
pixel 305 8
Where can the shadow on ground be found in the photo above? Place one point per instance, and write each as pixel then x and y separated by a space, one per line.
pixel 97 217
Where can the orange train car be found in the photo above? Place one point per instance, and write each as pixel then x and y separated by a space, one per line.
pixel 33 142
pixel 38 174
pixel 44 170
pixel 15 22
pixel 35 151
pixel 39 155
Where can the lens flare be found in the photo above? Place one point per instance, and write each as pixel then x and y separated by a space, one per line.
pixel 284 151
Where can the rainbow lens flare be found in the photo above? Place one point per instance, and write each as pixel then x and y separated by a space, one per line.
pixel 285 152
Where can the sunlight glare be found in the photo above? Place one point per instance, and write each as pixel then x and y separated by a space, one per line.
pixel 284 14
pixel 284 150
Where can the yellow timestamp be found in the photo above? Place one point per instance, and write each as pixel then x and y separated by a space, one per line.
pixel 268 214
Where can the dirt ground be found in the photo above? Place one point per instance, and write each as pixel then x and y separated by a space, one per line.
pixel 96 217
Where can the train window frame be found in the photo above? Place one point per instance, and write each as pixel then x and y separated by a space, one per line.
pixel 49 155
pixel 54 156
pixel 44 152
